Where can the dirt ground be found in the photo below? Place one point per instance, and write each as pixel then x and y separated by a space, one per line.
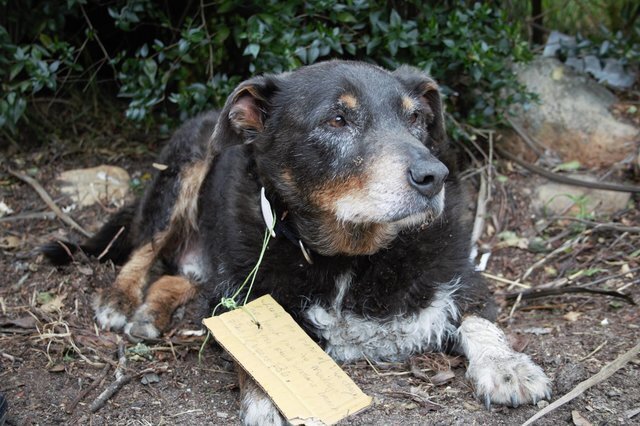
pixel 54 362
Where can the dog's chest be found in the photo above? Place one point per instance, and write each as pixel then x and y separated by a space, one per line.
pixel 350 336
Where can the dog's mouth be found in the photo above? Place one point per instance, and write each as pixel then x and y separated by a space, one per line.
pixel 403 212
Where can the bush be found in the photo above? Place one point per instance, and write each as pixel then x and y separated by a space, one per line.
pixel 176 60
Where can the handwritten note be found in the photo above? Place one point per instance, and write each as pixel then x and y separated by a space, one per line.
pixel 306 385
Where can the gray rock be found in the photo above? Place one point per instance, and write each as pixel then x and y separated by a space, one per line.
pixel 573 116
pixel 557 198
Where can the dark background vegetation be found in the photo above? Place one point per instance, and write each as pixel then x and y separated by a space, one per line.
pixel 159 62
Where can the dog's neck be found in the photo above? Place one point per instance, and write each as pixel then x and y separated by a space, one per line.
pixel 324 234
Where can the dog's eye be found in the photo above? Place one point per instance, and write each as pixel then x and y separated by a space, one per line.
pixel 413 119
pixel 338 121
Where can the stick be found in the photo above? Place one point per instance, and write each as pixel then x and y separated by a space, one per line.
pixel 106 250
pixel 121 380
pixel 49 201
pixel 91 387
pixel 28 216
pixel 606 372
pixel 567 180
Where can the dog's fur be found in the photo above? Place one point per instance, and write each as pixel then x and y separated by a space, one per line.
pixel 354 161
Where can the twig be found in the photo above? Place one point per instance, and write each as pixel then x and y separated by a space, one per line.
pixel 593 352
pixel 606 372
pixel 567 180
pixel 121 380
pixel 533 294
pixel 505 280
pixel 88 389
pixel 113 240
pixel 598 226
pixel 28 216
pixel 49 201
pixel 544 260
pixel 481 210
pixel 532 143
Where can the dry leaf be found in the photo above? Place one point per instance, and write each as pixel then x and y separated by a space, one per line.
pixel 572 316
pixel 85 270
pixel 442 377
pixel 159 166
pixel 54 305
pixel 9 242
pixel 56 368
pixel 26 321
pixel 578 420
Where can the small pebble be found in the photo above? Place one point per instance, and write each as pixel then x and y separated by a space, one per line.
pixel 222 414
pixel 542 404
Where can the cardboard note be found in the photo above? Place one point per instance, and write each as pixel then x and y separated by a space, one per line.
pixel 306 385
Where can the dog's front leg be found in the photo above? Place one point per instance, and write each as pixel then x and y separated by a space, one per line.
pixel 256 408
pixel 499 374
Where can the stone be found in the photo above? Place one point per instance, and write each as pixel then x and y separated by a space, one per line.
pixel 107 185
pixel 573 116
pixel 557 198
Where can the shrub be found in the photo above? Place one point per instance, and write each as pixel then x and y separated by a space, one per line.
pixel 176 60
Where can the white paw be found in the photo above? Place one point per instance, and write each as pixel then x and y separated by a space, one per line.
pixel 107 317
pixel 510 378
pixel 256 409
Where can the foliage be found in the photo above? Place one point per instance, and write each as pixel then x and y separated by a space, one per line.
pixel 176 60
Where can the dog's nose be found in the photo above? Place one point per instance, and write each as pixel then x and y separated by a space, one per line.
pixel 428 176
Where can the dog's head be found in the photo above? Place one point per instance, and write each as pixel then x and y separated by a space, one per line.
pixel 351 149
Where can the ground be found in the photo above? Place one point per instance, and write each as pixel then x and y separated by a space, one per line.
pixel 54 362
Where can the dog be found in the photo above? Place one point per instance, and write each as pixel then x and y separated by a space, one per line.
pixel 371 248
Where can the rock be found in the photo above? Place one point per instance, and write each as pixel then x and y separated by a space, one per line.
pixel 557 198
pixel 573 116
pixel 107 185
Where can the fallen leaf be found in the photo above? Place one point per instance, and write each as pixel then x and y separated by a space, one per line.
pixel 442 377
pixel 578 420
pixel 572 316
pixel 85 270
pixel 160 166
pixel 26 321
pixel 54 305
pixel 150 378
pixel 9 242
pixel 56 368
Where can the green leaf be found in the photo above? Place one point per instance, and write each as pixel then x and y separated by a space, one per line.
pixel 252 49
pixel 568 166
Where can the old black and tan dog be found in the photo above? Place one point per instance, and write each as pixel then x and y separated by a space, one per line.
pixel 371 254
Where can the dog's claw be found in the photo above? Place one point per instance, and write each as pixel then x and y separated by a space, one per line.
pixel 514 401
pixel 487 402
pixel 534 400
pixel 547 395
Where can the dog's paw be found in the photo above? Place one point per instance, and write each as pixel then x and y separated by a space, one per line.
pixel 256 409
pixel 111 310
pixel 510 379
pixel 142 326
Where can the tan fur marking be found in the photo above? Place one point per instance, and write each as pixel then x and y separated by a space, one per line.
pixel 408 104
pixel 165 295
pixel 349 101
pixel 325 197
pixel 430 86
pixel 356 239
pixel 132 278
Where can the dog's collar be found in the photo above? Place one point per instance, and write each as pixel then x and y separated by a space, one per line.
pixel 280 227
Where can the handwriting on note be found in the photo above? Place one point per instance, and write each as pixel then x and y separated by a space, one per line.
pixel 304 383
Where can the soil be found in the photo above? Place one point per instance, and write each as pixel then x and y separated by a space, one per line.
pixel 54 362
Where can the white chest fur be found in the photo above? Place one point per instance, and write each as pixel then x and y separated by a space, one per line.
pixel 351 337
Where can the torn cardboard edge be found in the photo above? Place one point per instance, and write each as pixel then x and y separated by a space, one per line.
pixel 306 385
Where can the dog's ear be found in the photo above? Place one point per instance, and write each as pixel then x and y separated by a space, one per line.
pixel 245 112
pixel 426 89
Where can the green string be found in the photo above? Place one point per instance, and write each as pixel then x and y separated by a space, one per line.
pixel 230 303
